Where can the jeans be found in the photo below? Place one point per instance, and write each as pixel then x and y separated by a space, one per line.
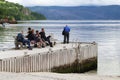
pixel 26 42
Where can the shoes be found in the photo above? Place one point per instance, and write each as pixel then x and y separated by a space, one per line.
pixel 30 48
pixel 67 42
pixel 51 45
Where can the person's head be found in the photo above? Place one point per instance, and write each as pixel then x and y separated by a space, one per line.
pixel 37 32
pixel 29 28
pixel 42 30
pixel 32 31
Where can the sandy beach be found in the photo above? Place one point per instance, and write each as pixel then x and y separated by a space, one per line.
pixel 55 76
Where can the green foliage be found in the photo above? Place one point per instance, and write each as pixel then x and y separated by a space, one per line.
pixel 17 12
pixel 2 0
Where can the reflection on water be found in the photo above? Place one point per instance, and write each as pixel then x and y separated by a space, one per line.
pixel 106 35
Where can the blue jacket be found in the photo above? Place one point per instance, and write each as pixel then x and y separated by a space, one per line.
pixel 20 37
pixel 66 29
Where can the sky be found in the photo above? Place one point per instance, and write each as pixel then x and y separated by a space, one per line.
pixel 65 2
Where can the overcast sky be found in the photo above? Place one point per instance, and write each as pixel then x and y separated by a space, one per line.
pixel 65 2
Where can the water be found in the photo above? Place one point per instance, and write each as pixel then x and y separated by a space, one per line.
pixel 105 33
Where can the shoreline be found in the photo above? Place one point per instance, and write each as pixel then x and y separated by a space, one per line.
pixel 91 75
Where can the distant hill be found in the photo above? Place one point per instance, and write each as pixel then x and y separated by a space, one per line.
pixel 14 11
pixel 111 12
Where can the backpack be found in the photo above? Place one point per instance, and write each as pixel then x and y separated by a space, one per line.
pixel 63 32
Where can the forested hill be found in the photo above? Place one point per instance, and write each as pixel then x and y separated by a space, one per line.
pixel 111 12
pixel 14 11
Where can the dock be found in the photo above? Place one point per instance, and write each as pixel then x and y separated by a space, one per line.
pixel 48 59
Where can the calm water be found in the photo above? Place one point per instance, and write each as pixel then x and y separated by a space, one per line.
pixel 105 33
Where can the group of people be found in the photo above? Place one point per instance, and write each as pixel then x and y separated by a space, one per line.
pixel 39 39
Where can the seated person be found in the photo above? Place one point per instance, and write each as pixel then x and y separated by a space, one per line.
pixel 20 38
pixel 43 36
pixel 38 39
pixel 31 36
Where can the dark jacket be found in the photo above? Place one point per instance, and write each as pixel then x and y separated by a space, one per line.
pixel 43 36
pixel 31 36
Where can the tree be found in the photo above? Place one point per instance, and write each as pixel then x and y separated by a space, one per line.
pixel 16 11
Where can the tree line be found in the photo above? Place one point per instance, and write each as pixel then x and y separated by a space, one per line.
pixel 14 11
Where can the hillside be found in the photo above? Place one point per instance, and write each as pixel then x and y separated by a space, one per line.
pixel 111 12
pixel 14 11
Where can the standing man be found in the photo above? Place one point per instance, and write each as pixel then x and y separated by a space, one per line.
pixel 66 34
